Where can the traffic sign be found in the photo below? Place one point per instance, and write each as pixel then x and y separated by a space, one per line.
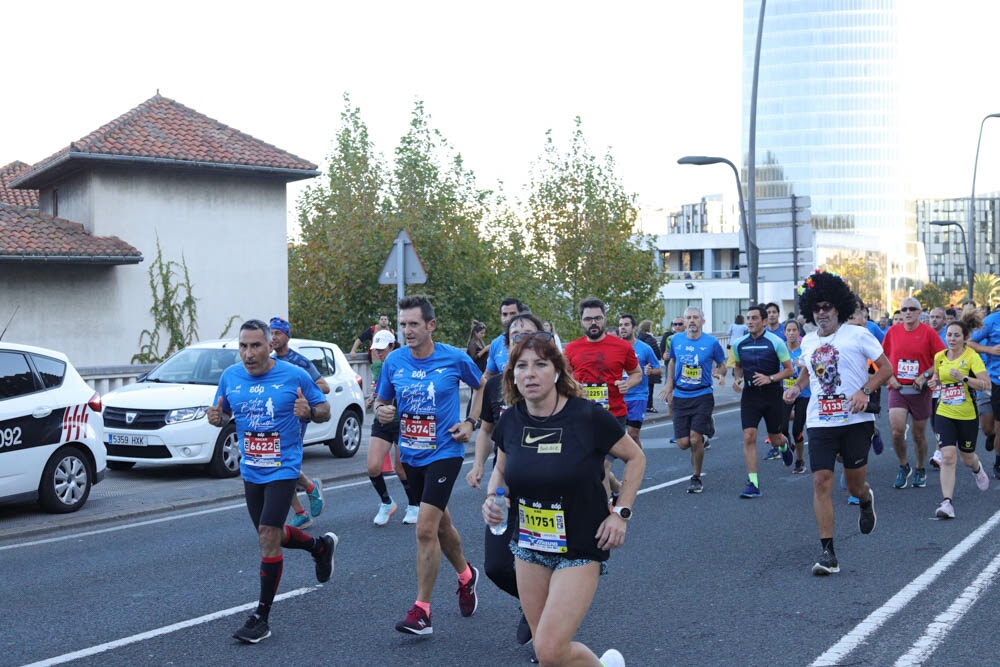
pixel 403 266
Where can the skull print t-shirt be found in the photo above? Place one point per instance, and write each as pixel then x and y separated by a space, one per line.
pixel 838 368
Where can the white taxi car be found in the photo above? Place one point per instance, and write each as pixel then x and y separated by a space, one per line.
pixel 51 433
pixel 161 419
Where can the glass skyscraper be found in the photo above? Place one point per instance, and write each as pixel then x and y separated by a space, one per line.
pixel 828 105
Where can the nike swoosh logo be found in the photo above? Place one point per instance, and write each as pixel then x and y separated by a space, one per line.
pixel 530 440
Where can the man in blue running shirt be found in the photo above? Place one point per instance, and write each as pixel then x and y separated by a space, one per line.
pixel 267 399
pixel 424 378
pixel 636 397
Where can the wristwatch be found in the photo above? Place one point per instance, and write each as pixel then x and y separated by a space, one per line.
pixel 623 512
pixel 966 379
pixel 476 423
pixel 868 392
pixel 771 378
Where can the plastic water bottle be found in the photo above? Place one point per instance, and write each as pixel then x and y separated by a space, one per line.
pixel 501 527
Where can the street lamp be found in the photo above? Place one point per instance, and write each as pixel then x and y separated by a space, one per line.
pixel 972 208
pixel 751 243
pixel 965 244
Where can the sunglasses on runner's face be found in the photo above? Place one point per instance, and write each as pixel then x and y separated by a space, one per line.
pixel 909 309
pixel 525 335
pixel 678 324
pixel 822 307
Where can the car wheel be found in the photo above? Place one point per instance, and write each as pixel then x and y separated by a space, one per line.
pixel 120 465
pixel 226 458
pixel 348 440
pixel 66 481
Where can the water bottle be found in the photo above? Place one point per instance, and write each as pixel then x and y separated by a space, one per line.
pixel 501 527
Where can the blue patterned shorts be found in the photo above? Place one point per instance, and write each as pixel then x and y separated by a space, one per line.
pixel 551 561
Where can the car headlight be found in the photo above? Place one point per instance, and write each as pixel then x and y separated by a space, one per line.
pixel 185 414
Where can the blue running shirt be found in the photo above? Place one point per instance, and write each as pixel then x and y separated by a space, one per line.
pixel 497 360
pixel 989 334
pixel 269 431
pixel 427 399
pixel 644 353
pixel 693 361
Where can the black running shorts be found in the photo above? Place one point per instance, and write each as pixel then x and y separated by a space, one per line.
pixel 767 405
pixel 268 503
pixel 434 481
pixel 851 441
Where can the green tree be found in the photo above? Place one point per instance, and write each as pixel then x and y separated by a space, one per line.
pixel 931 296
pixel 333 272
pixel 863 271
pixel 582 237
pixel 985 289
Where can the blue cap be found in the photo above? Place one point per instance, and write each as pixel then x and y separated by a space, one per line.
pixel 278 324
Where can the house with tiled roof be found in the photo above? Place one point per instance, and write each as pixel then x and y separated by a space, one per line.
pixel 25 198
pixel 160 176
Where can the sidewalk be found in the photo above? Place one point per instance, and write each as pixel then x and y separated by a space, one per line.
pixel 145 492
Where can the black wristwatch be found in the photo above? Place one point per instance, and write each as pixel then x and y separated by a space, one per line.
pixel 476 423
pixel 868 392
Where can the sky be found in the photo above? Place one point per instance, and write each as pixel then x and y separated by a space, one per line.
pixel 652 81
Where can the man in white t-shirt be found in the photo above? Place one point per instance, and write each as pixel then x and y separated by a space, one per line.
pixel 835 366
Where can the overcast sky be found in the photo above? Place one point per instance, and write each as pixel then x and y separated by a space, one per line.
pixel 651 80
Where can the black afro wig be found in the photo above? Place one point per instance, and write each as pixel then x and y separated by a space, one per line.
pixel 826 286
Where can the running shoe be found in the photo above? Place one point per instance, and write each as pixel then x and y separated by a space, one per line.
pixel 945 510
pixel 302 521
pixel 708 442
pixel 695 486
pixel 652 411
pixel 853 500
pixel 612 658
pixel 385 510
pixel 416 622
pixel 751 491
pixel 316 498
pixel 412 512
pixel 989 442
pixel 877 445
pixel 253 631
pixel 996 469
pixel 919 478
pixel 827 564
pixel 787 456
pixel 903 477
pixel 711 430
pixel 467 600
pixel 324 559
pixel 800 468
pixel 523 630
pixel 772 454
pixel 982 479
pixel 673 441
pixel 867 518
pixel 935 460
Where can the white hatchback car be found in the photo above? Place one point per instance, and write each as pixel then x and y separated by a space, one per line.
pixel 160 420
pixel 51 432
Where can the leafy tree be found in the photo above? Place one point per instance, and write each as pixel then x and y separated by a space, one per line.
pixel 985 288
pixel 931 296
pixel 863 271
pixel 582 237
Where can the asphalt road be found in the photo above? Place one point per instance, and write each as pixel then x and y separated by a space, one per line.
pixel 702 579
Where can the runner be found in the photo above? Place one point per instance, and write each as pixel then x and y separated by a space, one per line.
pixel 551 446
pixel 763 359
pixel 774 325
pixel 267 399
pixel 793 339
pixel 636 398
pixel 599 362
pixel 424 379
pixel 986 341
pixel 958 371
pixel 688 389
pixel 383 437
pixel 835 367
pixel 910 346
pixel 281 331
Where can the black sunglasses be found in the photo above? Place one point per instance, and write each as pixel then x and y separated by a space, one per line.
pixel 525 335
pixel 678 324
pixel 909 309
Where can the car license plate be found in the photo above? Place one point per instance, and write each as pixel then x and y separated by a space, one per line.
pixel 129 440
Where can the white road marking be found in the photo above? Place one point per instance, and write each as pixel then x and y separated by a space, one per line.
pixel 939 628
pixel 166 629
pixel 837 654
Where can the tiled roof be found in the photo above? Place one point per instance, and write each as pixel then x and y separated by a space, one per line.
pixel 161 129
pixel 33 237
pixel 25 198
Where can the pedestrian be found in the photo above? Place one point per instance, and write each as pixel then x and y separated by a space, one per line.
pixel 551 447
pixel 835 367
pixel 688 389
pixel 958 371
pixel 774 325
pixel 551 328
pixel 422 380
pixel 762 359
pixel 366 336
pixel 267 398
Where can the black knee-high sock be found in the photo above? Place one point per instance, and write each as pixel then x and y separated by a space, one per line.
pixel 296 538
pixel 270 576
pixel 411 495
pixel 379 484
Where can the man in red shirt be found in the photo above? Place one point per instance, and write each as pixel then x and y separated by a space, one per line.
pixel 910 347
pixel 600 363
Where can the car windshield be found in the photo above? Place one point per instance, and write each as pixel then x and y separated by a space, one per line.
pixel 194 366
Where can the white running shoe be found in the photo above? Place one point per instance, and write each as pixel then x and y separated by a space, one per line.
pixel 945 510
pixel 385 510
pixel 982 479
pixel 412 512
pixel 612 658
